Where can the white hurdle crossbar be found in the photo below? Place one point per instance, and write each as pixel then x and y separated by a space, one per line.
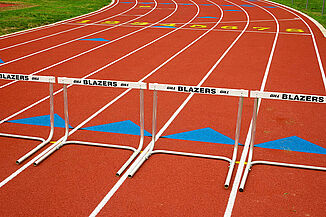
pixel 99 83
pixel 201 90
pixel 278 96
pixel 31 78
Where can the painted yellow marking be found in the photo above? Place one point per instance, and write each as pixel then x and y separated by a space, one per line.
pixel 83 21
pixel 139 23
pixel 198 26
pixel 294 30
pixel 111 22
pixel 229 27
pixel 261 28
pixel 52 142
pixel 237 162
pixel 168 24
pixel 144 6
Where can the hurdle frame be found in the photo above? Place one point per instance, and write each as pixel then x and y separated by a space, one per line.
pixel 116 84
pixel 39 79
pixel 258 95
pixel 219 91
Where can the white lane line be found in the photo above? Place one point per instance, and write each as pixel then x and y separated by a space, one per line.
pixel 215 30
pixel 236 183
pixel 73 40
pixel 322 71
pixel 124 177
pixel 101 10
pixel 13 175
pixel 61 32
pixel 87 51
pixel 203 22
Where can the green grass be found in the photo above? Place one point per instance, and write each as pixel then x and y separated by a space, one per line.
pixel 314 8
pixel 32 13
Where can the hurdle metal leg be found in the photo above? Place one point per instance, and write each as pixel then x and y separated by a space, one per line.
pixel 43 141
pixel 64 140
pixel 251 150
pixel 150 148
pixel 146 152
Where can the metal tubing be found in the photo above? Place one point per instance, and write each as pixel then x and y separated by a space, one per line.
pixel 100 145
pixel 252 140
pixel 236 144
pixel 154 122
pixel 191 155
pixel 149 149
pixel 142 129
pixel 45 142
pixel 61 141
pixel 322 11
pixel 307 4
pixel 22 137
pixel 289 165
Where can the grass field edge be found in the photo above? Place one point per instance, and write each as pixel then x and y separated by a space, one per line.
pixel 56 23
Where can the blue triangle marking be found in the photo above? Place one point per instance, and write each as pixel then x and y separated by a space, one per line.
pixel 293 143
pixel 165 3
pixel 206 4
pixel 122 127
pixel 227 5
pixel 208 17
pixel 231 10
pixel 185 4
pixel 1 61
pixel 269 7
pixel 93 39
pixel 146 3
pixel 202 135
pixel 250 6
pixel 43 120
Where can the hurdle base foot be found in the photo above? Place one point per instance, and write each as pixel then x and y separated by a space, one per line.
pixel 241 189
pixel 226 186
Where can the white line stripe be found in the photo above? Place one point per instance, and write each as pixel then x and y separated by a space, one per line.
pixel 61 32
pixel 313 39
pixel 124 177
pixel 214 30
pixel 80 125
pixel 235 186
pixel 76 39
pixel 59 22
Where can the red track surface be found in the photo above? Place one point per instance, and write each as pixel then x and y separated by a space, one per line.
pixel 74 180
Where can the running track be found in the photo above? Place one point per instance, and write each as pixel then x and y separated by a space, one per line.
pixel 254 45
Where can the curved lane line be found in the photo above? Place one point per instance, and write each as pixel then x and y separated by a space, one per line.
pixel 145 151
pixel 59 22
pixel 64 31
pixel 13 175
pixel 322 71
pixel 244 154
pixel 73 40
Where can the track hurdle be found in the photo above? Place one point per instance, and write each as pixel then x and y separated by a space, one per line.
pixel 193 90
pixel 31 78
pixel 258 95
pixel 98 83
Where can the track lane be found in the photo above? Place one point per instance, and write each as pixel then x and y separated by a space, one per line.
pixel 170 165
pixel 15 34
pixel 279 120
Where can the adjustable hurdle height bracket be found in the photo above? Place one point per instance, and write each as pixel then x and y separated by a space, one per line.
pixel 258 95
pixel 92 82
pixel 32 78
